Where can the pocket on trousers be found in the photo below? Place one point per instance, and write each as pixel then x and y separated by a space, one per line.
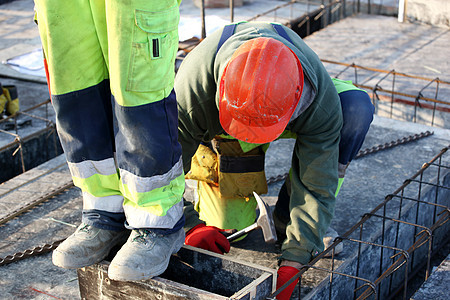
pixel 155 43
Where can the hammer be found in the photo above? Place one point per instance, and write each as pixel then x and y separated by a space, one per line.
pixel 264 221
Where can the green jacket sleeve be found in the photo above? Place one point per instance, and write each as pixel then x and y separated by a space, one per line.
pixel 195 87
pixel 314 178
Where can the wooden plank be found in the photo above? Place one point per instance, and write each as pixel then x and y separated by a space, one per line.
pixel 192 274
pixel 95 284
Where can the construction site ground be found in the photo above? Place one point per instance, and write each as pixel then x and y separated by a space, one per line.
pixel 374 41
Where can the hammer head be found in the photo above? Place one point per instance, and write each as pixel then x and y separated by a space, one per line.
pixel 265 221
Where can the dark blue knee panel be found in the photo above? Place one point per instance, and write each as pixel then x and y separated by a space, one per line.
pixel 147 137
pixel 357 111
pixel 85 123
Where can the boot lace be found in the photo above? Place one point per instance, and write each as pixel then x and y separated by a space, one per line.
pixel 86 228
pixel 142 235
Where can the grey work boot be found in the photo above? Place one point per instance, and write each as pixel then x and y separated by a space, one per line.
pixel 86 246
pixel 144 255
pixel 328 239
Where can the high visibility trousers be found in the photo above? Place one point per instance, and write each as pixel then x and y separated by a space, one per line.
pixel 110 72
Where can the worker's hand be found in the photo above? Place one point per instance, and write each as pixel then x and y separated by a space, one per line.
pixel 287 270
pixel 208 238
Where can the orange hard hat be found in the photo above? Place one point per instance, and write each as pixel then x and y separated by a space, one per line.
pixel 259 90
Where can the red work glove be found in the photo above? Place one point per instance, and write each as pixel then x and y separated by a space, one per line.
pixel 284 274
pixel 208 238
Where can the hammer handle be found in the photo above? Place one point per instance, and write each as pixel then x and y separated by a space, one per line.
pixel 242 232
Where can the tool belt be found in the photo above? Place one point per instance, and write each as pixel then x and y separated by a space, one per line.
pixel 235 172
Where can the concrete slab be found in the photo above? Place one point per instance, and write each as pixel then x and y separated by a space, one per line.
pixel 382 42
pixel 436 287
pixel 366 184
pixel 433 12
pixel 250 9
pixel 32 185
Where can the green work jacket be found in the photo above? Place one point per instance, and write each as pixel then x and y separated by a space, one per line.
pixel 314 169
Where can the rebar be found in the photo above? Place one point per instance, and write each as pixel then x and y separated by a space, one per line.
pixel 401 141
pixel 367 151
pixel 19 141
pixel 39 250
pixel 36 202
pixel 418 99
pixel 401 259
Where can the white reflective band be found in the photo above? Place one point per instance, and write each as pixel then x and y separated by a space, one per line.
pixel 147 184
pixel 112 203
pixel 87 168
pixel 139 218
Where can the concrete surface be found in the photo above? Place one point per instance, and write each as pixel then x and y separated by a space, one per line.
pixel 436 287
pixel 382 43
pixel 434 12
pixel 250 9
pixel 368 40
pixel 367 182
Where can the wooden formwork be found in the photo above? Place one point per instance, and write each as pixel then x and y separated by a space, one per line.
pixel 192 274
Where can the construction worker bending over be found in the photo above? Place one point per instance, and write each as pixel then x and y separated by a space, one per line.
pixel 111 75
pixel 241 88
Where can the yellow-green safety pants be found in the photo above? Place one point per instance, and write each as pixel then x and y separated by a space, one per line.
pixel 110 72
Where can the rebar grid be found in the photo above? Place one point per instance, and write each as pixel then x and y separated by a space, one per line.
pixel 326 13
pixel 391 243
pixel 428 94
pixel 323 11
pixel 326 9
pixel 20 140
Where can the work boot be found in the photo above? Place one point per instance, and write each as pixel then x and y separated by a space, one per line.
pixel 86 246
pixel 328 239
pixel 145 254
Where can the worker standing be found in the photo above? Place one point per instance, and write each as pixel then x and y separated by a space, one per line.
pixel 110 73
pixel 241 88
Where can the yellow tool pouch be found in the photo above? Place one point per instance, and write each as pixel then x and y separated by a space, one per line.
pixel 204 165
pixel 3 101
pixel 9 93
pixel 239 173
pixel 13 104
pixel 224 213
